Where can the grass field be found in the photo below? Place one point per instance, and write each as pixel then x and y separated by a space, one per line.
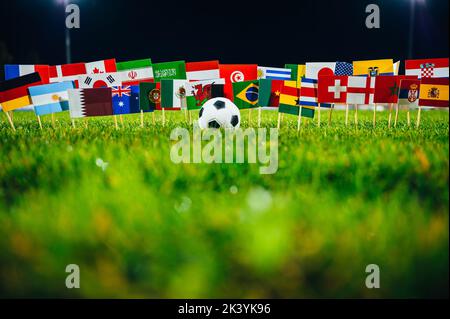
pixel 142 226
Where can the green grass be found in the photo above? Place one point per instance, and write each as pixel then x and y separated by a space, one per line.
pixel 342 198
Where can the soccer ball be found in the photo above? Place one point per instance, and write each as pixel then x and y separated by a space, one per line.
pixel 219 112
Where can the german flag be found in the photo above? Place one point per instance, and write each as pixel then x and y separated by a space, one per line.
pixel 14 92
pixel 433 92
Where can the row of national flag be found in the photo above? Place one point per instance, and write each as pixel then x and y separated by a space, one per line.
pixel 108 87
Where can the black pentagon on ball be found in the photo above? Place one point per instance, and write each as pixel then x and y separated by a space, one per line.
pixel 200 113
pixel 234 120
pixel 213 124
pixel 219 104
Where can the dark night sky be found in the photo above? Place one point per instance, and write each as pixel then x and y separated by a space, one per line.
pixel 269 33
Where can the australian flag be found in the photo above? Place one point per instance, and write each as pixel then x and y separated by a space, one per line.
pixel 343 68
pixel 125 99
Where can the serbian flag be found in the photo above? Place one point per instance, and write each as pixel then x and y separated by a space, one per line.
pixel 14 92
pixel 427 68
pixel 205 70
pixel 332 89
pixel 408 95
pixel 236 73
pixel 433 92
pixel 360 89
pixel 70 72
pixel 15 70
pixel 387 86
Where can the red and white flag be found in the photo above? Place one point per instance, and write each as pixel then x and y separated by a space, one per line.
pixel 315 69
pixel 427 68
pixel 100 80
pixel 360 89
pixel 236 73
pixel 70 72
pixel 332 89
pixel 205 70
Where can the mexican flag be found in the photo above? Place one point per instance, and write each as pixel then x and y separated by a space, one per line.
pixel 198 92
pixel 135 71
pixel 169 70
pixel 173 94
pixel 205 70
pixel 269 93
pixel 246 94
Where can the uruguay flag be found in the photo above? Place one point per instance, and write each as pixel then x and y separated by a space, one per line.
pixel 50 98
pixel 13 71
pixel 273 73
pixel 125 99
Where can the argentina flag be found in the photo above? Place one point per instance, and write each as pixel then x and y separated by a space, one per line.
pixel 50 98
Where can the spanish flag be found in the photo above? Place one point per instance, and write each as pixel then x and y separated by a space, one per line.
pixel 14 92
pixel 373 67
pixel 433 92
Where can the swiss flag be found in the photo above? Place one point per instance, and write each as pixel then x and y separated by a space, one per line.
pixel 332 89
pixel 387 87
pixel 236 73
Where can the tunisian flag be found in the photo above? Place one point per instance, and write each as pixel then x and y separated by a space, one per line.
pixel 332 89
pixel 236 73
pixel 387 87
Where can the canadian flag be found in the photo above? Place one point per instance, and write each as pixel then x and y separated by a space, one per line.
pixel 360 89
pixel 70 72
pixel 332 89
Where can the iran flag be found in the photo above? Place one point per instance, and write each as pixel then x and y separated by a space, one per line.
pixel 205 70
pixel 70 72
pixel 332 89
pixel 360 89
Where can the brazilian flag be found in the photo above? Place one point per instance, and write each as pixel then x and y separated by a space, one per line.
pixel 246 94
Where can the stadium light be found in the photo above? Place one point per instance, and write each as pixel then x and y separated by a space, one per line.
pixel 412 7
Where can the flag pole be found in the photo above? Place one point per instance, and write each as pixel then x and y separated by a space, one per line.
pixel 142 118
pixel 249 116
pixel 153 117
pixel 185 115
pixel 259 117
pixel 390 115
pixel 299 122
pixel 329 114
pixel 53 120
pixel 356 115
pixel 121 119
pixel 318 116
pixel 115 122
pixel 396 115
pixel 10 121
pixel 190 117
pixel 418 117
pixel 73 123
pixel 163 117
pixel 374 115
pixel 408 116
pixel 39 121
pixel 279 120
pixel 346 114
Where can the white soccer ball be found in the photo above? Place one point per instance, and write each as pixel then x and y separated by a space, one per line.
pixel 219 112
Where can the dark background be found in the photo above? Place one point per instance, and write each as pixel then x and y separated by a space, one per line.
pixel 268 33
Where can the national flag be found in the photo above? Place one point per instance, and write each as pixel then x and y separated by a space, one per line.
pixel 433 92
pixel 271 73
pixel 246 94
pixel 386 88
pixel 237 73
pixel 360 89
pixel 15 70
pixel 396 67
pixel 343 68
pixel 269 93
pixel 125 99
pixel 99 80
pixel 408 94
pixel 205 70
pixel 198 92
pixel 308 94
pixel 169 70
pixel 70 72
pixel 149 96
pixel 90 102
pixel 373 67
pixel 14 92
pixel 316 69
pixel 332 89
pixel 173 94
pixel 427 68
pixel 135 71
pixel 50 98
pixel 297 72
pixel 289 98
